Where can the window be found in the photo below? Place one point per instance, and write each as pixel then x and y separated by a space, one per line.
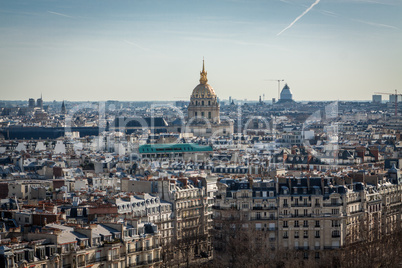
pixel 305 255
pixel 317 234
pixel 335 211
pixel 317 223
pixel 335 223
pixel 258 215
pixel 336 233
pixel 317 202
pixel 285 212
pixel 296 212
pixel 285 234
pixel 305 234
pixel 285 224
pixel 296 223
pixel 296 234
pixel 285 203
pixel 317 255
pixel 305 223
pixel 209 115
pixel 305 212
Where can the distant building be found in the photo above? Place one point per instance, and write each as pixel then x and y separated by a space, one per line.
pixel 181 104
pixel 393 96
pixel 39 102
pixel 31 103
pixel 286 94
pixel 377 98
pixel 63 108
pixel 203 110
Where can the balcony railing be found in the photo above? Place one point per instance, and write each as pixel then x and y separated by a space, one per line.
pixel 301 205
pixel 333 205
pixel 331 247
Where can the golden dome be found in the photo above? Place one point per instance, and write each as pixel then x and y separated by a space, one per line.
pixel 203 90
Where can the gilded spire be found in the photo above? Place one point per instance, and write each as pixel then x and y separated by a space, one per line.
pixel 203 74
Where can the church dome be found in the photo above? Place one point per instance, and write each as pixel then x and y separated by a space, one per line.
pixel 204 103
pixel 203 91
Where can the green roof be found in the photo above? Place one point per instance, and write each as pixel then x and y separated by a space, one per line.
pixel 173 147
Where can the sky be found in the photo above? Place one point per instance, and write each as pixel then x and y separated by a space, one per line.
pixel 153 49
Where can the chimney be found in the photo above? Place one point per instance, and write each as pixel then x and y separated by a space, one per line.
pixel 277 184
pixel 322 184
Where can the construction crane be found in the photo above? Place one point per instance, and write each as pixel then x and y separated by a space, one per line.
pixel 279 84
pixel 396 98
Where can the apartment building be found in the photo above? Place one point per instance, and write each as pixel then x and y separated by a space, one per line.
pixel 309 214
pixel 97 245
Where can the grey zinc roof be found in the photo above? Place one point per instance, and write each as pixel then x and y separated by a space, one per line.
pixel 70 237
pixel 104 230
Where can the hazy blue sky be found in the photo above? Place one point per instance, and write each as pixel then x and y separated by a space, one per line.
pixel 152 50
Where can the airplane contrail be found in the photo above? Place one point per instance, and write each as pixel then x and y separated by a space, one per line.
pixel 59 14
pixel 299 17
pixel 136 45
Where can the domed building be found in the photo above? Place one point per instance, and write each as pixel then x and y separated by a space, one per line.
pixel 204 104
pixel 203 110
pixel 286 94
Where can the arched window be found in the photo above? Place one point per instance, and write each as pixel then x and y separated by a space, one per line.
pixel 209 102
pixel 202 103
